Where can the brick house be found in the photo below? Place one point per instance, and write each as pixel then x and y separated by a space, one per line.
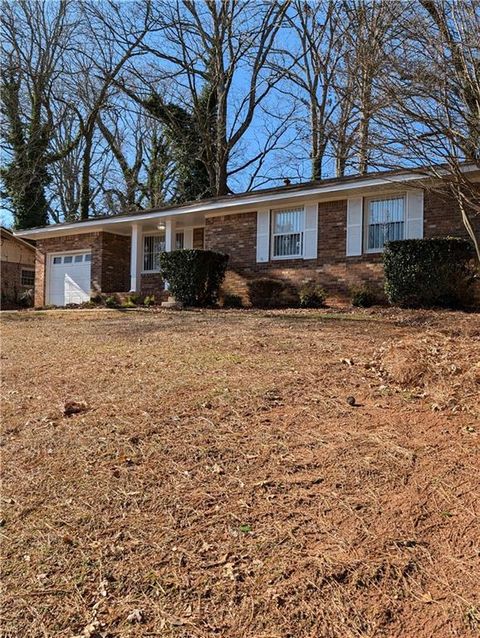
pixel 17 267
pixel 332 231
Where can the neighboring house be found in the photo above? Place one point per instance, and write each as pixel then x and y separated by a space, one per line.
pixel 332 231
pixel 17 267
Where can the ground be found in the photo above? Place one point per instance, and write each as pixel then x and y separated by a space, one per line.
pixel 216 480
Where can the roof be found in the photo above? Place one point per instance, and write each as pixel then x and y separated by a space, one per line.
pixel 231 201
pixel 28 243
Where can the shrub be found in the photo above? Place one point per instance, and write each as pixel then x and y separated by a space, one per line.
pixel 362 296
pixel 272 293
pixel 149 301
pixel 232 301
pixel 111 302
pixel 429 272
pixel 311 295
pixel 194 276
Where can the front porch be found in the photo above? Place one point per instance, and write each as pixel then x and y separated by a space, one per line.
pixel 148 241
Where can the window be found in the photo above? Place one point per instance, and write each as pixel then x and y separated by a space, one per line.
pixel 78 259
pixel 288 227
pixel 88 257
pixel 179 237
pixel 57 260
pixel 28 278
pixel 153 245
pixel 385 221
pixel 68 259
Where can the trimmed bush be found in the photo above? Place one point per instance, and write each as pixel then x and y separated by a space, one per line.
pixel 311 295
pixel 423 273
pixel 149 301
pixel 362 297
pixel 194 276
pixel 232 301
pixel 272 293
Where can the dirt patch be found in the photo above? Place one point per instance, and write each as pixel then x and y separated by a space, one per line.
pixel 220 484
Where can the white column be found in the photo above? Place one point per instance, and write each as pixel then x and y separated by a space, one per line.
pixel 169 236
pixel 188 238
pixel 136 256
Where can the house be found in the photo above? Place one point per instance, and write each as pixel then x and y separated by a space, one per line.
pixel 17 267
pixel 332 231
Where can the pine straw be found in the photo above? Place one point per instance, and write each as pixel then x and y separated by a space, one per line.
pixel 446 369
pixel 216 483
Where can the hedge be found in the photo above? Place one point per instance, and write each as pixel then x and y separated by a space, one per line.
pixel 194 276
pixel 429 272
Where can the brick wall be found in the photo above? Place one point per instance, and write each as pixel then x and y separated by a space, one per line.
pixel 11 280
pixel 235 235
pixel 115 262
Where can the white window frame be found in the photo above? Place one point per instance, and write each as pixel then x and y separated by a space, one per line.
pixel 177 233
pixel 144 236
pixel 273 234
pixel 366 217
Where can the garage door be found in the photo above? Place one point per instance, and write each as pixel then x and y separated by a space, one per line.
pixel 69 278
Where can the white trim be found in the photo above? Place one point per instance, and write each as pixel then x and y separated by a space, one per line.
pixel 251 199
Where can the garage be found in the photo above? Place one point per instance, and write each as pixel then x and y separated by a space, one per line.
pixel 68 278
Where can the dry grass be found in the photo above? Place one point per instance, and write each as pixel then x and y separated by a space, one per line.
pixel 215 482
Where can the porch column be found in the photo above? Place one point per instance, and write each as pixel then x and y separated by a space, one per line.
pixel 169 236
pixel 136 255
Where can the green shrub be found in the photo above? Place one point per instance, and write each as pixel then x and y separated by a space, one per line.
pixel 311 295
pixel 135 298
pixel 362 296
pixel 429 272
pixel 194 276
pixel 149 301
pixel 128 303
pixel 266 292
pixel 232 301
pixel 111 302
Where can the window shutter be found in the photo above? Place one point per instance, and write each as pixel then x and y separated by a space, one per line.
pixel 263 235
pixel 414 214
pixel 354 226
pixel 310 236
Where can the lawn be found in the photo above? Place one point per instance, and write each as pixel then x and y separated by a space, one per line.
pixel 217 481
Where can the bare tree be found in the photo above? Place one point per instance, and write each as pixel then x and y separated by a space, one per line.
pixel 434 88
pixel 36 38
pixel 217 53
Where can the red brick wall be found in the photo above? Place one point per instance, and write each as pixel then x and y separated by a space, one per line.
pixel 115 262
pixel 235 235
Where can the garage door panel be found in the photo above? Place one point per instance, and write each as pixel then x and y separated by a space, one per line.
pixel 69 279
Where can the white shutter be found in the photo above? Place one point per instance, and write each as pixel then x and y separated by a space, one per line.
pixel 354 226
pixel 414 214
pixel 310 235
pixel 263 235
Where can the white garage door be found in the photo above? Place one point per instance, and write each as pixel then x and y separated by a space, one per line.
pixel 69 278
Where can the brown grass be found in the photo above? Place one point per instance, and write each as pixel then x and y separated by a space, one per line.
pixel 215 482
